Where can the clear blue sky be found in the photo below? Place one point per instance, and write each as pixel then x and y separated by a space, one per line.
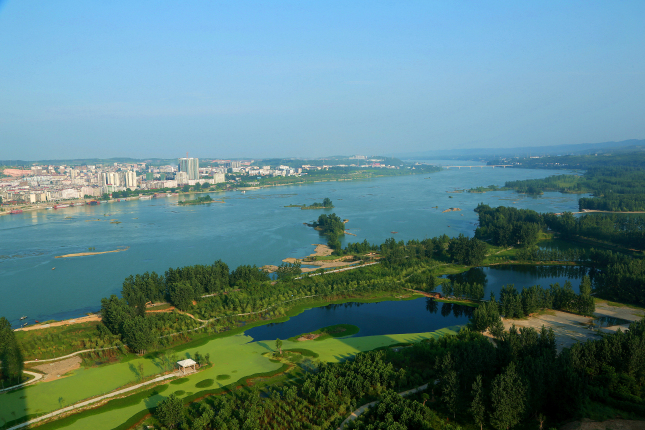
pixel 275 78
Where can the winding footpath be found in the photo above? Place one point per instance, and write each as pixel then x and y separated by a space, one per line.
pixel 358 412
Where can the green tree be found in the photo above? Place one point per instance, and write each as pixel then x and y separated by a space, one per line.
pixel 585 286
pixel 327 202
pixel 182 295
pixel 114 311
pixel 170 411
pixel 186 188
pixel 138 334
pixel 508 399
pixel 10 354
pixel 477 409
pixel 278 345
pixel 450 391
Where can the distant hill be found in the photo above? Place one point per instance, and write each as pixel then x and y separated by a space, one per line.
pixel 632 145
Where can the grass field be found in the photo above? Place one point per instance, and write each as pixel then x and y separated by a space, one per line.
pixel 237 356
pixel 59 341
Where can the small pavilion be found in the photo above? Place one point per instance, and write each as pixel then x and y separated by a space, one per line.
pixel 187 364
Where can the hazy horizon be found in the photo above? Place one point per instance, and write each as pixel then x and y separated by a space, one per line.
pixel 291 79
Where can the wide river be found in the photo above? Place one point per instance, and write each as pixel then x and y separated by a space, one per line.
pixel 250 228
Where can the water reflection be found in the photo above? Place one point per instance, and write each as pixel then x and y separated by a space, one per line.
pixel 457 310
pixel 382 318
pixel 494 278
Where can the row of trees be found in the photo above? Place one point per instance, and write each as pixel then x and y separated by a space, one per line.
pixel 621 229
pixel 513 304
pixel 182 285
pixel 463 291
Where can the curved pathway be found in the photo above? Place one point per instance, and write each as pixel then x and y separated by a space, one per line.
pixel 93 400
pixel 358 412
pixel 37 377
pixel 70 355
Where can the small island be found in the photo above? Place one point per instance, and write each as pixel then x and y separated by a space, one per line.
pixel 337 330
pixel 198 201
pixel 326 204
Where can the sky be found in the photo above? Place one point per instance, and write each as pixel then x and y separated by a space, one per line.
pixel 223 79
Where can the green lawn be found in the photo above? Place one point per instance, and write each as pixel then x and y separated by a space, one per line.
pixel 237 356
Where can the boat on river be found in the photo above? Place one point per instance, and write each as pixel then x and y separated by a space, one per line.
pixel 16 211
pixel 60 206
pixel 23 318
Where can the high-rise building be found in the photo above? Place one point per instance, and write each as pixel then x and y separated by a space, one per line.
pixel 130 179
pixel 190 166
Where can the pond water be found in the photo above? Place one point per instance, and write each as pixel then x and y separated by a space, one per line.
pixel 608 321
pixel 381 318
pixel 495 277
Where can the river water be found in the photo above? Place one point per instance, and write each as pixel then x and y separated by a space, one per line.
pixel 250 228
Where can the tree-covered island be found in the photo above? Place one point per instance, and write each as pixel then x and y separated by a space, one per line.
pixel 198 201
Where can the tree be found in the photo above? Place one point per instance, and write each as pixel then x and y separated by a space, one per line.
pixel 450 391
pixel 327 202
pixel 138 333
pixel 186 188
pixel 170 411
pixel 114 311
pixel 278 345
pixel 585 286
pixel 10 354
pixel 508 399
pixel 182 295
pixel 477 409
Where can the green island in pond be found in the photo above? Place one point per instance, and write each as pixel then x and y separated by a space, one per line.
pixel 336 330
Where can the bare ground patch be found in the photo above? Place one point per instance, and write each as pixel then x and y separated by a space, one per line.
pixel 58 369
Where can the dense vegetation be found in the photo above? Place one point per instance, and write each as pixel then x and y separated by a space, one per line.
pixel 331 226
pixel 523 380
pixel 11 361
pixel 504 226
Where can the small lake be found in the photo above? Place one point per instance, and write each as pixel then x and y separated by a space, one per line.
pixel 381 318
pixel 494 278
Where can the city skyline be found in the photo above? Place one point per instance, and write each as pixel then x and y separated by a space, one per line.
pixel 307 80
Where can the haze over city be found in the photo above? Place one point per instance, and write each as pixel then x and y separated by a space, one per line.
pixel 261 79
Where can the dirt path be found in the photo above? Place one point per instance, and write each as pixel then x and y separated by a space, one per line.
pixel 80 320
pixel 358 412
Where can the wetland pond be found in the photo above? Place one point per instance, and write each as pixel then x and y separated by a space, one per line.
pixel 423 314
pixel 495 277
pixel 381 318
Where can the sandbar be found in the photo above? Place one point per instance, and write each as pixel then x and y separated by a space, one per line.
pixel 83 254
